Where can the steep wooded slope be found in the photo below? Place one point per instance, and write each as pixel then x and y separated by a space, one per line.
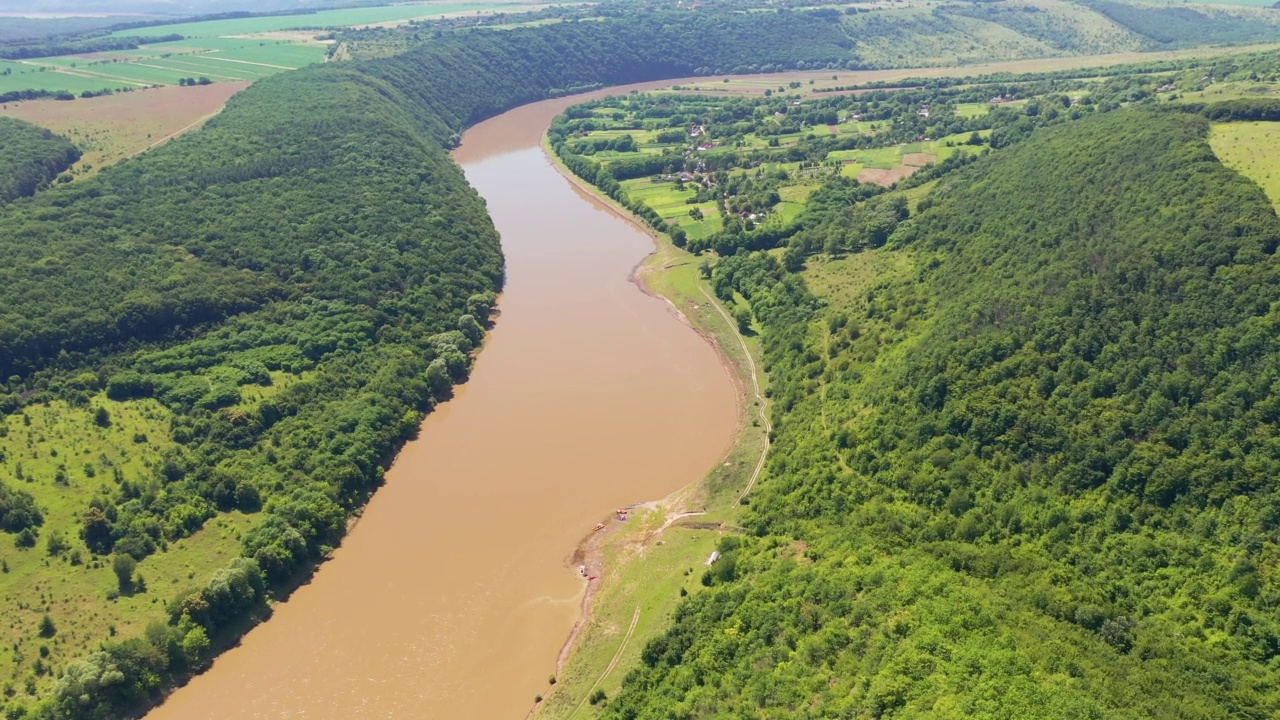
pixel 1028 474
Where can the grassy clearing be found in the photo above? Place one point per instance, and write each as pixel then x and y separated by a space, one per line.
pixel 1253 150
pixel 900 157
pixel 63 458
pixel 842 280
pixel 971 110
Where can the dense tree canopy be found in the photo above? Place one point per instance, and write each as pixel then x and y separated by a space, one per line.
pixel 30 158
pixel 1028 473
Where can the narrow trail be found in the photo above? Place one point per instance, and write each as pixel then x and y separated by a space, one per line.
pixel 635 618
pixel 755 382
pixel 176 133
pixel 671 520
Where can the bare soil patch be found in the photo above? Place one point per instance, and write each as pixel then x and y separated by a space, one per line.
pixel 111 128
pixel 886 177
pixel 919 159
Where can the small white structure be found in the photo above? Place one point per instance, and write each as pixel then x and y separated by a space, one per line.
pixel 715 555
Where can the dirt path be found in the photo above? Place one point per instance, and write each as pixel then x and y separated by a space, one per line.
pixel 178 132
pixel 635 618
pixel 671 520
pixel 762 409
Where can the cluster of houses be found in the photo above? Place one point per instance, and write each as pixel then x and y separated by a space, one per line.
pixel 700 131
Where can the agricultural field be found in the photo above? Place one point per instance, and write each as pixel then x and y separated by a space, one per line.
pixel 202 60
pixel 110 128
pixel 216 51
pixel 1253 150
pixel 324 19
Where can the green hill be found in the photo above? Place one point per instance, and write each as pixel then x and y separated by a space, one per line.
pixel 1024 472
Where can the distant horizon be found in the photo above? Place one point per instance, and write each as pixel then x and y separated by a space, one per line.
pixel 64 15
pixel 62 9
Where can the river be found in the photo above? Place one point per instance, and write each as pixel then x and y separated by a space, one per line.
pixel 453 594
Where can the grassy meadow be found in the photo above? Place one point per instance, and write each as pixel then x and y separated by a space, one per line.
pixel 64 457
pixel 1253 150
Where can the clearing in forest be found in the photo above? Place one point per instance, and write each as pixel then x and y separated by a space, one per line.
pixel 1253 150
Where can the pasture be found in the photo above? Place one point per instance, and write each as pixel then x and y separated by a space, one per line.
pixel 1253 150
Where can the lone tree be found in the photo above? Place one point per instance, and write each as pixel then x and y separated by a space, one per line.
pixel 47 628
pixel 123 565
pixel 742 315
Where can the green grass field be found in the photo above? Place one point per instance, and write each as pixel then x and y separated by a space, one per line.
pixel 1253 150
pixel 220 50
pixel 60 456
pixel 218 59
pixel 33 75
pixel 972 110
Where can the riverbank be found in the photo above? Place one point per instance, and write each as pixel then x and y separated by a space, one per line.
pixel 643 566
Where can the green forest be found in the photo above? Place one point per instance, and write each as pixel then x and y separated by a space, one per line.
pixel 1023 473
pixel 30 158
pixel 1025 470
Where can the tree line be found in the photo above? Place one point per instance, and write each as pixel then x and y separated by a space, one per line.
pixel 53 48
pixel 31 158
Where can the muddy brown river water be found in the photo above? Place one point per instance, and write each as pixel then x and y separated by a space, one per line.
pixel 453 594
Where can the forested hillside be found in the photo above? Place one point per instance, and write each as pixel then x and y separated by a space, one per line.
pixel 30 157
pixel 884 35
pixel 1026 470
pixel 1183 26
